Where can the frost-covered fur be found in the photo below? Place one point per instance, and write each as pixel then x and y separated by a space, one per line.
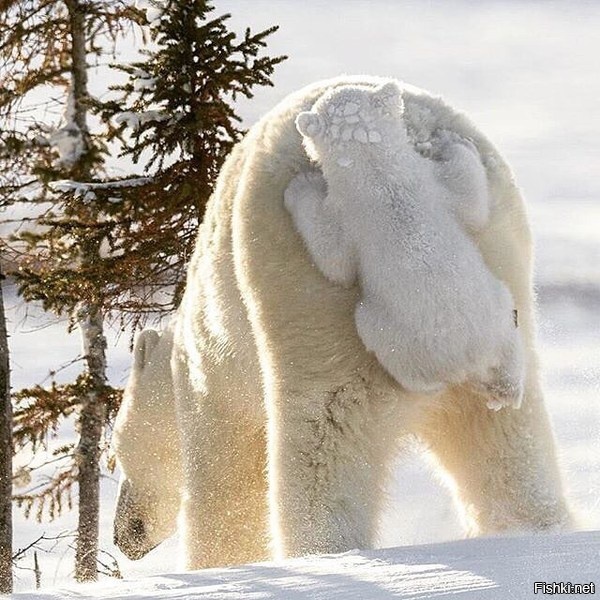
pixel 288 425
pixel 398 222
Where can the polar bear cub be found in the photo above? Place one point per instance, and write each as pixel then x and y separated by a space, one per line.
pixel 401 225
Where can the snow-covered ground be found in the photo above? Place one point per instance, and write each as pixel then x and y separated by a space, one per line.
pixel 527 74
pixel 482 569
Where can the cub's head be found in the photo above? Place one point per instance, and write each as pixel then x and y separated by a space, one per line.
pixel 146 443
pixel 351 119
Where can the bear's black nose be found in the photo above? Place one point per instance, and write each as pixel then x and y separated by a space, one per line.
pixel 136 528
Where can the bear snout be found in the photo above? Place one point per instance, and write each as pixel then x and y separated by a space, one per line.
pixel 130 533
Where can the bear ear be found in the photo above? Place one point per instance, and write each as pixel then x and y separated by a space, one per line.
pixel 146 341
pixel 390 93
pixel 309 124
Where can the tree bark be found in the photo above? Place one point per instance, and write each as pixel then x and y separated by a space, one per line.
pixel 91 423
pixel 91 323
pixel 5 458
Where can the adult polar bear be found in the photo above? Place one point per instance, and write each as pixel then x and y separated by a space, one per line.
pixel 288 426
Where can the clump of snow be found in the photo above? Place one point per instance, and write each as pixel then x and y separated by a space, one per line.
pixel 142 84
pixel 154 9
pixel 134 119
pixel 87 191
pixel 68 140
pixel 79 190
pixel 154 13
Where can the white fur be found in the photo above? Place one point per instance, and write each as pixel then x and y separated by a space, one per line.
pixel 146 441
pixel 398 222
pixel 288 426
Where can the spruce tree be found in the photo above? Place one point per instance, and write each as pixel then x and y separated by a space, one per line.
pixel 46 47
pixel 176 116
pixel 105 248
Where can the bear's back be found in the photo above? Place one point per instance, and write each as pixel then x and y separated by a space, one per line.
pixel 251 282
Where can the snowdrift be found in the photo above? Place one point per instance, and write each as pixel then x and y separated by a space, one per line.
pixel 483 568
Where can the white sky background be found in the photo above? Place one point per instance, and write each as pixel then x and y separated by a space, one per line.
pixel 527 74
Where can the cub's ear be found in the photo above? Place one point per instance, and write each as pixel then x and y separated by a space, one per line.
pixel 145 343
pixel 389 93
pixel 309 124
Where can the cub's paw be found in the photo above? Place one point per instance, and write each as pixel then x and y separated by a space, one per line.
pixel 447 144
pixel 307 185
pixel 503 391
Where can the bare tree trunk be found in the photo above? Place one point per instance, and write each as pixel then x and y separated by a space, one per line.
pixel 91 422
pixel 5 458
pixel 91 323
pixel 37 571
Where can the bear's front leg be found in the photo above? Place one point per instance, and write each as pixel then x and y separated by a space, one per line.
pixel 305 200
pixel 224 511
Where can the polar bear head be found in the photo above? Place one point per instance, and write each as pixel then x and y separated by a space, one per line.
pixel 353 120
pixel 146 443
